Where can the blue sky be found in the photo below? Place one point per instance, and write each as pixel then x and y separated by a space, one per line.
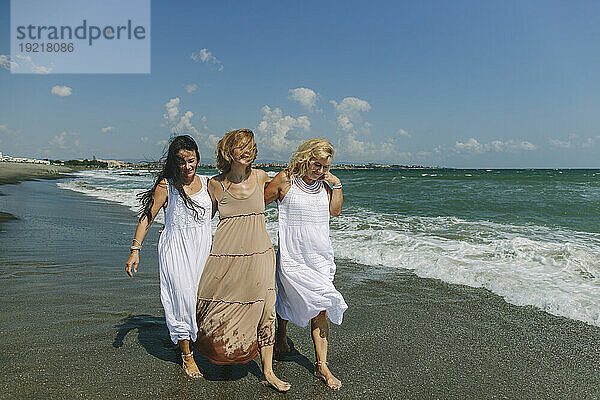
pixel 459 84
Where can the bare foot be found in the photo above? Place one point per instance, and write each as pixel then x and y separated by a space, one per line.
pixel 276 383
pixel 190 367
pixel 322 371
pixel 281 345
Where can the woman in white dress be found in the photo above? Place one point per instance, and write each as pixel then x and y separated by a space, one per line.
pixel 184 244
pixel 305 265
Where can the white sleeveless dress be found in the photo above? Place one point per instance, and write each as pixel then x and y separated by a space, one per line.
pixel 305 265
pixel 183 248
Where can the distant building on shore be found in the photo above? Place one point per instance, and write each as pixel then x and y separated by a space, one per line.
pixel 23 160
pixel 114 163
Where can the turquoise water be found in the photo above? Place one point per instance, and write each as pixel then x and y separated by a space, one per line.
pixel 530 236
pixel 567 198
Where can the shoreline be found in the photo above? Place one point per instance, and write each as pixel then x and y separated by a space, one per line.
pixel 419 338
pixel 12 172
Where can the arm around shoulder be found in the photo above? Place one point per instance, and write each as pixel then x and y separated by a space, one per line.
pixel 263 177
pixel 215 191
pixel 276 186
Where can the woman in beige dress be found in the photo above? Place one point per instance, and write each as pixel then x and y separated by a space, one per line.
pixel 236 295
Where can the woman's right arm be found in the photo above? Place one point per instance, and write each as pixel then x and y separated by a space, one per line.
pixel 213 187
pixel 160 198
pixel 277 188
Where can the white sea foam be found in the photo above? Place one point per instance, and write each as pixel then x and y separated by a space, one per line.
pixel 554 269
pixel 125 197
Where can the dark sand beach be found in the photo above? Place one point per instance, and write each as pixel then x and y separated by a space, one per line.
pixel 11 172
pixel 74 325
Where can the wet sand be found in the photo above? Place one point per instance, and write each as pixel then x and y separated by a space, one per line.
pixel 6 217
pixel 16 172
pixel 74 325
pixel 11 173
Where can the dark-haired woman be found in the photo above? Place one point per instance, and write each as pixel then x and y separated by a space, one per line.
pixel 184 244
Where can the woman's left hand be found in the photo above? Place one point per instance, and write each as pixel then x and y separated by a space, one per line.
pixel 331 179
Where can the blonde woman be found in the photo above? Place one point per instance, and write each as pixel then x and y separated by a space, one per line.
pixel 305 266
pixel 236 295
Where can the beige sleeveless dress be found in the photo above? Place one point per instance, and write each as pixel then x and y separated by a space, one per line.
pixel 236 295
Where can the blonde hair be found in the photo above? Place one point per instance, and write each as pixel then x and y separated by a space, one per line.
pixel 311 148
pixel 240 138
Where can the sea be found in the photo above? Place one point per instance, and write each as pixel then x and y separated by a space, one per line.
pixel 531 236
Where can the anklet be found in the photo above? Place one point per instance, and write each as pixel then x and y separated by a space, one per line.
pixel 187 355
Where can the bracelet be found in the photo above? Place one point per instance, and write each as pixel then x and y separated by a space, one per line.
pixel 132 248
pixel 138 242
pixel 337 186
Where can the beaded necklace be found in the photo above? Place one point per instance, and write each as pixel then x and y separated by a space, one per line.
pixel 312 189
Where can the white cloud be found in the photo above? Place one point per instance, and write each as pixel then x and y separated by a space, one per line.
pixel 528 146
pixel 349 124
pixel 192 87
pixel 108 129
pixel 587 143
pixel 7 63
pixel 206 56
pixel 472 146
pixel 62 140
pixel 144 139
pixel 162 143
pixel 306 97
pixel 348 112
pixel 350 147
pixel 185 126
pixel 61 91
pixel 172 110
pixel 344 123
pixel 275 129
pixel 402 132
pixel 560 144
pixel 512 146
pixel 573 141
pixel 8 133
pixel 182 125
pixel 38 69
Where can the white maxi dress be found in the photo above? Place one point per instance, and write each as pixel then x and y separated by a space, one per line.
pixel 305 265
pixel 183 248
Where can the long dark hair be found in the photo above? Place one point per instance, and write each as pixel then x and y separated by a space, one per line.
pixel 170 170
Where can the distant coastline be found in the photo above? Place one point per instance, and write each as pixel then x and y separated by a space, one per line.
pixel 96 163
